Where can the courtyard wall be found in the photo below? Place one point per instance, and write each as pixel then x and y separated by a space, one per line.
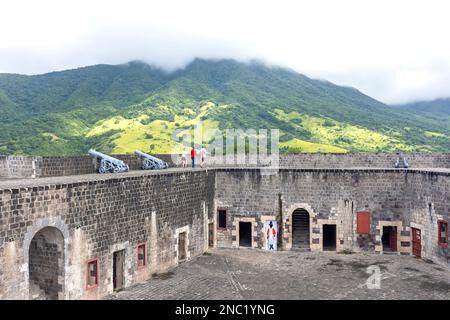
pixel 100 215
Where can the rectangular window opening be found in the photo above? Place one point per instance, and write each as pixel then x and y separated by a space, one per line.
pixel 443 233
pixel 222 219
pixel 92 274
pixel 142 255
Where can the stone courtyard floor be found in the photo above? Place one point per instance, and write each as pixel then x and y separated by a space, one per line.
pixel 223 274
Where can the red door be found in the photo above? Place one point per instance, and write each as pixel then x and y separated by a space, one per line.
pixel 393 239
pixel 416 242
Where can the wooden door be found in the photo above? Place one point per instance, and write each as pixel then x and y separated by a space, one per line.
pixel 416 239
pixel 118 269
pixel 393 239
pixel 182 246
pixel 211 235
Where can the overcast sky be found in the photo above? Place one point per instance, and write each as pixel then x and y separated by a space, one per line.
pixel 395 51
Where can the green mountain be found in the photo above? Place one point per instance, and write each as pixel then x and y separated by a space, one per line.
pixel 122 108
pixel 438 106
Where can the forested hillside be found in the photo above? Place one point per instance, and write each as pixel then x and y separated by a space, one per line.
pixel 118 109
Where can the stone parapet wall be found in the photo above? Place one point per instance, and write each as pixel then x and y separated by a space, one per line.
pixel 24 166
pixel 20 166
pixel 66 166
pixel 46 166
pixel 360 159
pixel 336 160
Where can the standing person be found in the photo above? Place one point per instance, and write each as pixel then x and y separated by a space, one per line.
pixel 183 159
pixel 203 156
pixel 193 157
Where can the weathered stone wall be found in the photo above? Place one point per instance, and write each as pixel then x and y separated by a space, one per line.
pixel 334 196
pixel 66 166
pixel 429 195
pixel 334 160
pixel 20 166
pixel 46 262
pixel 4 166
pixel 99 216
pixel 74 165
pixel 29 166
pixel 24 167
pixel 361 159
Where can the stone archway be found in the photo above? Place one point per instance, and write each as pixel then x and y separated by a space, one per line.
pixel 46 264
pixel 288 228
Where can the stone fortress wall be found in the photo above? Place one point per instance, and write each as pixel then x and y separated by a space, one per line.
pixel 49 166
pixel 53 166
pixel 65 236
pixel 401 198
pixel 94 217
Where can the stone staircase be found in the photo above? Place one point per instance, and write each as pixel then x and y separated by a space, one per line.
pixel 36 293
pixel 301 249
pixel 300 236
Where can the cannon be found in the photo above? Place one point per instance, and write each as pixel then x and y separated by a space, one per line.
pixel 401 163
pixel 107 163
pixel 150 162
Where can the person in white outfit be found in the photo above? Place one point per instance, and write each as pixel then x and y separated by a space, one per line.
pixel 184 159
pixel 203 157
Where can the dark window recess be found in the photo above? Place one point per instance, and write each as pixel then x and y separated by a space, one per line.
pixel 222 218
pixel 142 253
pixel 443 233
pixel 92 278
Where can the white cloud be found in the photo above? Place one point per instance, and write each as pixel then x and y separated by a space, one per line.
pixel 395 51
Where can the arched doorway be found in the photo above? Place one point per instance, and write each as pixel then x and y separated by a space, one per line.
pixel 300 229
pixel 46 264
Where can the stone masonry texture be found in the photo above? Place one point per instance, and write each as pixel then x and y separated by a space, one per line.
pixel 51 227
pixel 27 166
pixel 334 196
pixel 97 217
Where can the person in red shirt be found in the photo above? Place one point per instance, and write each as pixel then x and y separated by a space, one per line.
pixel 193 157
